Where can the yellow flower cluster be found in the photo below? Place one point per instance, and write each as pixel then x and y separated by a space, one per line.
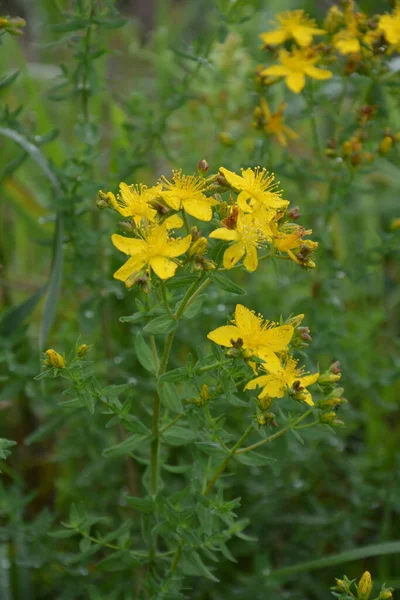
pixel 348 32
pixel 269 342
pixel 258 217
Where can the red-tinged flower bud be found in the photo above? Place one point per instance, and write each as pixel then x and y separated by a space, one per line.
pixel 304 333
pixel 335 367
pixel 294 213
pixel 202 166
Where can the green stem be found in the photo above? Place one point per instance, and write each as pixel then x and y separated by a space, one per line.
pixel 227 460
pixel 307 425
pixel 154 351
pixel 155 442
pixel 165 300
pixel 276 435
pixel 314 131
pixel 161 431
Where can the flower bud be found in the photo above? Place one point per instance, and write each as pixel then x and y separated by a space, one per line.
pixel 127 226
pixel 198 247
pixel 386 145
pixel 328 378
pixel 395 224
pixel 364 588
pixel 103 200
pixel 202 166
pixel 341 585
pixel 335 367
pixel 225 138
pixel 304 333
pixel 294 213
pixel 54 359
pixel 347 148
pixel 295 321
pixel 264 403
pixel 261 419
pixel 82 350
pixel 386 594
pixel 204 396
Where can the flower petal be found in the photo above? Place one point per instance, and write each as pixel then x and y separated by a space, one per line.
pixel 251 260
pixel 277 338
pixel 257 382
pixel 234 180
pixel 272 362
pixel 224 335
pixel 130 246
pixel 275 71
pixel 246 319
pixel 163 267
pixel 173 222
pixel 222 233
pixel 172 199
pixel 309 379
pixel 232 255
pixel 317 73
pixel 198 208
pixel 176 247
pixel 133 265
pixel 295 82
pixel 272 38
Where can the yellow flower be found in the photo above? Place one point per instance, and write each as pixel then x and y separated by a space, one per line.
pixel 292 24
pixel 395 224
pixel 389 25
pixel 54 359
pixel 155 251
pixel 256 336
pixel 290 240
pixel 294 67
pixel 273 124
pixel 248 235
pixel 347 41
pixel 135 201
pixel 287 377
pixel 187 192
pixel 257 189
pixel 364 587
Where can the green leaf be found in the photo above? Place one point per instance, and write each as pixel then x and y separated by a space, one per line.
pixel 170 397
pixel 145 505
pixel 46 429
pixel 179 436
pixel 62 533
pixel 212 449
pixel 144 354
pixel 175 375
pixel 135 318
pixel 339 559
pixel 125 447
pixel 163 324
pixel 16 315
pixel 71 25
pixel 224 283
pixel 254 459
pixel 4 447
pixel 8 79
pixel 194 308
pixel 183 281
pixel 54 283
pixel 193 565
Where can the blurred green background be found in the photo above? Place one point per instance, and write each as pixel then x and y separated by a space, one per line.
pixel 163 85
